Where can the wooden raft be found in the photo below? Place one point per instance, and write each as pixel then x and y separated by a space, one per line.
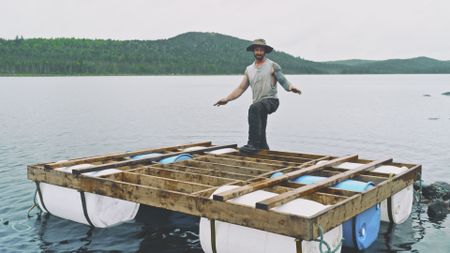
pixel 186 186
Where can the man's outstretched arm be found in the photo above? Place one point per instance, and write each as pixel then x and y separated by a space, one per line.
pixel 235 93
pixel 288 86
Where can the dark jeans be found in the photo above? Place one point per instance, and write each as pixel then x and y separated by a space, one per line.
pixel 257 121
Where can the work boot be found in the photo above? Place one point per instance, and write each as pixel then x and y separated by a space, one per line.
pixel 248 149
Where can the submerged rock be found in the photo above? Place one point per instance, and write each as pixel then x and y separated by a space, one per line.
pixel 438 209
pixel 446 93
pixel 437 190
pixel 426 95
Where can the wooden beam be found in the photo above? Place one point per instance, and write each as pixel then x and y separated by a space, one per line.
pixel 361 177
pixel 93 159
pixel 147 160
pixel 223 167
pixel 330 190
pixel 212 171
pixel 274 157
pixel 243 163
pixel 160 182
pixel 288 153
pixel 292 168
pixel 257 160
pixel 289 196
pixel 185 176
pixel 319 196
pixel 234 193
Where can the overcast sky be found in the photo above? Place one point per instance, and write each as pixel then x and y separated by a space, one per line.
pixel 312 29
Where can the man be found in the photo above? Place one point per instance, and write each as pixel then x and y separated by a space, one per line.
pixel 262 76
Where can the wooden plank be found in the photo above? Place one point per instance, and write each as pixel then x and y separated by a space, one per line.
pixel 147 160
pixel 319 196
pixel 223 167
pixel 185 176
pixel 295 154
pixel 93 159
pixel 280 223
pixel 344 210
pixel 234 193
pixel 361 177
pixel 160 182
pixel 242 163
pixel 289 196
pixel 292 168
pixel 330 190
pixel 367 173
pixel 212 172
pixel 279 158
pixel 258 160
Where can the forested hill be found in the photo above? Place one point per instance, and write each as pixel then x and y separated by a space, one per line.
pixel 189 53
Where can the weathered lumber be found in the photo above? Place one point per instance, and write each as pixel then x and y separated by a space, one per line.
pixel 210 171
pixel 234 193
pixel 147 160
pixel 289 196
pixel 184 176
pixel 223 167
pixel 296 167
pixel 92 159
pixel 235 162
pixel 276 157
pixel 288 153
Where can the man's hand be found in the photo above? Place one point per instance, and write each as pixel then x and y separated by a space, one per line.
pixel 223 101
pixel 295 89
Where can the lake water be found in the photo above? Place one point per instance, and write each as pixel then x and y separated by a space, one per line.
pixel 54 118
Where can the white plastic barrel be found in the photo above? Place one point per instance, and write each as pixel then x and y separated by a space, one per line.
pixel 102 211
pixel 222 151
pixel 214 152
pixel 194 148
pixel 400 203
pixel 231 238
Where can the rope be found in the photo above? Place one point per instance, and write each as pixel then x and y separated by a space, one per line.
pixel 418 193
pixel 323 242
pixel 85 211
pixel 38 188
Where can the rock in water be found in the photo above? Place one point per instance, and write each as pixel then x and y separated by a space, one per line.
pixel 437 209
pixel 446 93
pixel 437 190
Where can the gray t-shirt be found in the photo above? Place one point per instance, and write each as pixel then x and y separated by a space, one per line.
pixel 263 80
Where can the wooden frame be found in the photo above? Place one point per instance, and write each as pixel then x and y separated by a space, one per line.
pixel 187 186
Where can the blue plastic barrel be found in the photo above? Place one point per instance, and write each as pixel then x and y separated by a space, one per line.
pixel 307 179
pixel 145 156
pixel 277 174
pixel 362 230
pixel 176 158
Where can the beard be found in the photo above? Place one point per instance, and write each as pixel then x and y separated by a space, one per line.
pixel 259 56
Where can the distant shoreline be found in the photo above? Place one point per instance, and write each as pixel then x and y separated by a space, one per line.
pixel 188 54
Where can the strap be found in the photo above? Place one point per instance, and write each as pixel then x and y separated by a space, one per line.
pixel 389 210
pixel 85 212
pixel 38 188
pixel 298 245
pixel 213 235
